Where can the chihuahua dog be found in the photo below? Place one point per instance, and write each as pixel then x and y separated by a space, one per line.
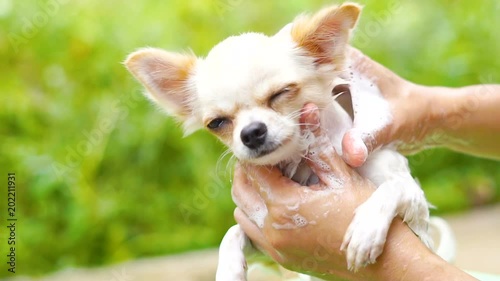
pixel 249 92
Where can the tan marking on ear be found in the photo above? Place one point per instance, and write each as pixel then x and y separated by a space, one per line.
pixel 165 75
pixel 332 24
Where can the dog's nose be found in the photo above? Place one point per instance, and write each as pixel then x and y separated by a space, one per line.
pixel 254 135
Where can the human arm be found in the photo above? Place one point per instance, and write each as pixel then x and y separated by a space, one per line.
pixel 312 243
pixel 463 119
pixel 314 249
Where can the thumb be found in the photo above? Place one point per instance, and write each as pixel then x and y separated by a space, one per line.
pixel 358 144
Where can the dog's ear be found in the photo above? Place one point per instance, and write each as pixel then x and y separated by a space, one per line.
pixel 325 35
pixel 166 77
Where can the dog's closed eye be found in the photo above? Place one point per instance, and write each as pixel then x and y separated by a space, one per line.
pixel 289 89
pixel 278 94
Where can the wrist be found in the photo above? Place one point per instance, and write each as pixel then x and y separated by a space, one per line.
pixel 416 125
pixel 434 113
pixel 405 257
pixel 401 256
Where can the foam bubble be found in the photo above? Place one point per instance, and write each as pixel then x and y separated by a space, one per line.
pixel 299 220
pixel 258 216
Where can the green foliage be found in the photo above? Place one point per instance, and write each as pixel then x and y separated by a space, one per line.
pixel 103 176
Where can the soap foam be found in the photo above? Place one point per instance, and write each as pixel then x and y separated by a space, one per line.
pixel 297 221
pixel 258 216
pixel 372 111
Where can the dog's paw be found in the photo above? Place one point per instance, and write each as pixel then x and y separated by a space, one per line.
pixel 365 238
pixel 416 215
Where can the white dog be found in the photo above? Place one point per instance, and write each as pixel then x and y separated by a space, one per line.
pixel 249 91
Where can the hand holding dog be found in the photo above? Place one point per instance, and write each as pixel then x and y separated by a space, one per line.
pixel 462 119
pixel 259 188
pixel 304 226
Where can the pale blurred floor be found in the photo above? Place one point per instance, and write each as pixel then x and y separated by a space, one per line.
pixel 477 233
pixel 478 239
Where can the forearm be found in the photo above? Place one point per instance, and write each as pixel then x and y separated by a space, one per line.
pixel 464 119
pixel 406 258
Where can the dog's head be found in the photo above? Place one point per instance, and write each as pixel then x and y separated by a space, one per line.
pixel 250 88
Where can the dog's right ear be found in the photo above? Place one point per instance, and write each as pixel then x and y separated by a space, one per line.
pixel 166 77
pixel 325 35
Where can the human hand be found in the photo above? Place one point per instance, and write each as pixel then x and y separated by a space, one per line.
pixel 302 227
pixel 293 223
pixel 410 120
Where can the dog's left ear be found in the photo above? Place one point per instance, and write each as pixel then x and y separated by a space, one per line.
pixel 326 34
pixel 166 76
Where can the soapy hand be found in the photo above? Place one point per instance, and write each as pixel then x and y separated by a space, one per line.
pixel 271 207
pixel 303 227
pixel 385 112
pixel 413 117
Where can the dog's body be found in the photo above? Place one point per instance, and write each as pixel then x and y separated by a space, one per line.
pixel 249 92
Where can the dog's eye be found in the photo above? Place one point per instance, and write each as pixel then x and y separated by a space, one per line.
pixel 216 123
pixel 278 94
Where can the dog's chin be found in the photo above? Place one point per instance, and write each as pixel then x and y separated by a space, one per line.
pixel 273 153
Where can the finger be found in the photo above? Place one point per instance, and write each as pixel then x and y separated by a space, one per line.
pixel 309 118
pixel 354 149
pixel 247 197
pixel 358 144
pixel 271 183
pixel 322 157
pixel 255 234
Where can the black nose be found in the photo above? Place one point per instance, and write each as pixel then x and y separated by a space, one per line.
pixel 254 135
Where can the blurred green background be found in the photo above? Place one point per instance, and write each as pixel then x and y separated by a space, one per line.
pixel 103 176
